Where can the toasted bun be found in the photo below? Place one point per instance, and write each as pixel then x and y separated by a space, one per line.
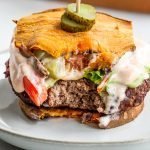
pixel 41 113
pixel 110 36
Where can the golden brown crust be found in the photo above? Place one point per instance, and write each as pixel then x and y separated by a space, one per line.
pixel 125 117
pixel 42 31
pixel 41 113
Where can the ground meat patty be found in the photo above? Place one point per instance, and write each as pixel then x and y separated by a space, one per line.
pixel 75 94
pixel 82 94
pixel 135 96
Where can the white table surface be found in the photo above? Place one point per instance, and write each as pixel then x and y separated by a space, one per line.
pixel 14 9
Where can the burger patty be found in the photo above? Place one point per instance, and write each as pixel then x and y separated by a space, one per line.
pixel 82 94
pixel 135 96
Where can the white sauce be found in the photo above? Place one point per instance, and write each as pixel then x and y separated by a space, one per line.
pixel 116 94
pixel 73 75
pixel 21 66
pixel 129 68
pixel 105 120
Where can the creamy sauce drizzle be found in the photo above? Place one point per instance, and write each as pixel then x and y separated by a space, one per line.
pixel 21 66
pixel 129 68
pixel 105 120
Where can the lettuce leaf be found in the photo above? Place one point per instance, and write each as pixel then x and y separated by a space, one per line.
pixel 94 76
pixel 147 68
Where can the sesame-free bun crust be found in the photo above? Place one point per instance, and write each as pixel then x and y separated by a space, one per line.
pixel 110 36
pixel 40 113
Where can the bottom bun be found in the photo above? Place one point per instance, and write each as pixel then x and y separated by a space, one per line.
pixel 85 116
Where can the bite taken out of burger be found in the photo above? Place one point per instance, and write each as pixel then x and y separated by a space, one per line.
pixel 78 65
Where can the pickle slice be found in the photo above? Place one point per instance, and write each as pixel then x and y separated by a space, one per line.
pixel 85 16
pixel 72 26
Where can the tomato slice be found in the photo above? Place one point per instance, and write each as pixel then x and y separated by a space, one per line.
pixel 37 97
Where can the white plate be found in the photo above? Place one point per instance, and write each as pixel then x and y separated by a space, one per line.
pixel 58 133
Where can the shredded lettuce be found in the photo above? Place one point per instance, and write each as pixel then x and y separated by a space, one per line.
pixel 94 76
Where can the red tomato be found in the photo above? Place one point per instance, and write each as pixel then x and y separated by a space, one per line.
pixel 32 91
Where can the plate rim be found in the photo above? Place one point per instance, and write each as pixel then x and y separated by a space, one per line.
pixel 44 140
pixel 136 141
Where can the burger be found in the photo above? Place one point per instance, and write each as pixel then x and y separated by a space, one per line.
pixel 93 71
